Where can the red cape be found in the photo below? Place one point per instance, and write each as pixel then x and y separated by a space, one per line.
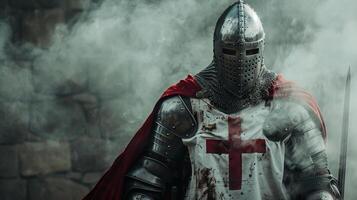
pixel 110 186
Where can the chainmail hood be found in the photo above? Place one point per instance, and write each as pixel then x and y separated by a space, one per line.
pixel 224 100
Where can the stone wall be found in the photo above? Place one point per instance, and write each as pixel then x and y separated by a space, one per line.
pixel 55 143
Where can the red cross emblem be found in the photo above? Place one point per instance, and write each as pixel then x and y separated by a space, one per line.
pixel 235 147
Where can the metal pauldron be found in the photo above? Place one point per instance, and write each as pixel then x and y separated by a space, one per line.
pixel 288 117
pixel 176 116
pixel 174 121
pixel 156 170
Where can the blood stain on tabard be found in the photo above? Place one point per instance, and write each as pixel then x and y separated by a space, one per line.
pixel 209 127
pixel 206 184
pixel 251 169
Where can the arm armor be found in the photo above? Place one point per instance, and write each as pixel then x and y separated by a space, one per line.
pixel 157 170
pixel 307 175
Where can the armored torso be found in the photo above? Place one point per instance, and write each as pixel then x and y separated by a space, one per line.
pixel 230 156
pixel 270 149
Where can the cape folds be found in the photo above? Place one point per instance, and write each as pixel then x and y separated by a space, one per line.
pixel 110 186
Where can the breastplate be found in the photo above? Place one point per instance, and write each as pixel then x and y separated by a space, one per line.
pixel 230 156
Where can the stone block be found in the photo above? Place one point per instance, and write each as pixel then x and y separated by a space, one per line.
pixel 13 189
pixel 112 119
pixel 94 130
pixel 61 118
pixel 119 119
pixel 53 77
pixel 55 189
pixel 90 155
pixel 9 163
pixel 91 178
pixel 44 158
pixel 15 83
pixel 14 121
pixel 109 82
pixel 38 26
pixel 76 176
pixel 90 106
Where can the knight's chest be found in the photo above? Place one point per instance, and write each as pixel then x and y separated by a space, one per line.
pixel 237 127
pixel 230 153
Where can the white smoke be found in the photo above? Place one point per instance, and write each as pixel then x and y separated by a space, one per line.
pixel 133 50
pixel 321 66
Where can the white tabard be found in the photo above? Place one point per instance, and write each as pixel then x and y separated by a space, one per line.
pixel 231 158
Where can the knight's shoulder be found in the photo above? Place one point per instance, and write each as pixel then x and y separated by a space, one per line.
pixel 290 106
pixel 175 114
pixel 285 115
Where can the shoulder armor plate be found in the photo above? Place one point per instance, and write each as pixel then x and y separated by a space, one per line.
pixel 285 118
pixel 175 115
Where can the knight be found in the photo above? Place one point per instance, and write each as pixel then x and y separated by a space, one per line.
pixel 235 130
